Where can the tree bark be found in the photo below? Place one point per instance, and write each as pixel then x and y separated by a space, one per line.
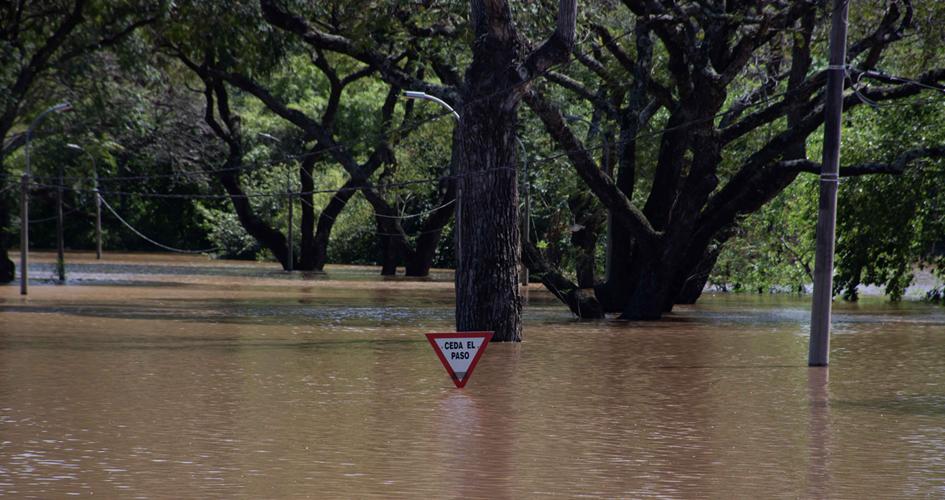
pixel 487 294
pixel 306 261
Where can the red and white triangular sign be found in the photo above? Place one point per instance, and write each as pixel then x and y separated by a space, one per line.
pixel 459 352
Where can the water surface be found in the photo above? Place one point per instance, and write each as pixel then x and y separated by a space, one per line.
pixel 178 377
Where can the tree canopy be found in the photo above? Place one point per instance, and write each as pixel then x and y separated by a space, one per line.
pixel 668 143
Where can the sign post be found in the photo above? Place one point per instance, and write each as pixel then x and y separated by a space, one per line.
pixel 459 352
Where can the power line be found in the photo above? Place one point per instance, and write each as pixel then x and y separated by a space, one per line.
pixel 149 240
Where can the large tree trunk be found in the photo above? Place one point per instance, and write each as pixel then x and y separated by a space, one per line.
pixel 487 294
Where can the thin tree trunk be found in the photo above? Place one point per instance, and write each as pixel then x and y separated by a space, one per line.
pixel 419 263
pixel 307 224
pixel 257 228
pixel 326 221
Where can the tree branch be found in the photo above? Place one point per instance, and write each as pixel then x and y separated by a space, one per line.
pixel 895 167
pixel 385 65
pixel 557 48
pixel 575 86
pixel 599 182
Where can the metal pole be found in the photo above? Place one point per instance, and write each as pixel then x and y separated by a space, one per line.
pixel 24 228
pixel 98 213
pixel 25 197
pixel 60 237
pixel 98 199
pixel 819 354
pixel 609 248
pixel 288 192
pixel 526 222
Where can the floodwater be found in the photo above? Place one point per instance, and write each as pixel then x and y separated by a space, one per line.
pixel 150 376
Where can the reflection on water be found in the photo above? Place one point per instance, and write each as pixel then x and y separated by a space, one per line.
pixel 238 380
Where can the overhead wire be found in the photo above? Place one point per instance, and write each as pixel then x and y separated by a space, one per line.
pixel 149 240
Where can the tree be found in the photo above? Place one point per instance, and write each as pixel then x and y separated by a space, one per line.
pixel 729 142
pixel 229 60
pixel 496 79
pixel 37 38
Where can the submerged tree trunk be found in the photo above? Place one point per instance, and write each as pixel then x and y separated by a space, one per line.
pixel 306 260
pixel 326 221
pixel 487 293
pixel 257 228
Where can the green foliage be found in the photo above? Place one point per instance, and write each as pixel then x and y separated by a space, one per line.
pixel 773 249
pixel 227 234
pixel 890 224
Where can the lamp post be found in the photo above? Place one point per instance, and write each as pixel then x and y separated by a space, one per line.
pixel 414 94
pixel 98 200
pixel 25 196
pixel 288 195
pixel 458 233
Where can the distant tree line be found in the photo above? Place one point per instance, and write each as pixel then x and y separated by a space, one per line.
pixel 669 143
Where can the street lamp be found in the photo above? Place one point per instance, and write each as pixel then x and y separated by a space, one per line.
pixel 414 94
pixel 288 195
pixel 98 200
pixel 25 196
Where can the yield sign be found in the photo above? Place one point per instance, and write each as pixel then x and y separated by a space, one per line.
pixel 459 352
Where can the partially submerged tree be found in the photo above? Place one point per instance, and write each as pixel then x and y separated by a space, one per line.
pixel 487 99
pixel 689 61
pixel 217 59
pixel 38 38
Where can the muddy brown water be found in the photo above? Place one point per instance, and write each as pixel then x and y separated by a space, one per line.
pixel 149 376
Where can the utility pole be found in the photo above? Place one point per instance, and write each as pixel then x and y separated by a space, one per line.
pixel 98 199
pixel 60 230
pixel 98 215
pixel 819 354
pixel 24 231
pixel 288 196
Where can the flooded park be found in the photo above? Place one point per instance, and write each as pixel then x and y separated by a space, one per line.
pixel 690 249
pixel 155 376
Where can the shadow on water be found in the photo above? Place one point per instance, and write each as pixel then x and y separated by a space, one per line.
pixel 179 342
pixel 906 404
